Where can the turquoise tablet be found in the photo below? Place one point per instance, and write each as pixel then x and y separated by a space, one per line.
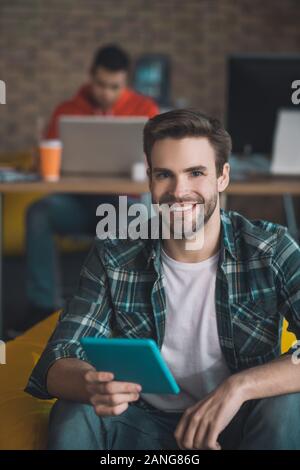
pixel 131 360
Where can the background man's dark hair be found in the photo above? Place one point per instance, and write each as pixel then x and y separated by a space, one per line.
pixel 111 57
pixel 181 123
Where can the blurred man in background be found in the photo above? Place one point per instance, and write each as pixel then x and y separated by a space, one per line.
pixel 106 93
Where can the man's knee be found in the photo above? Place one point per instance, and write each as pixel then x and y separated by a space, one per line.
pixel 73 426
pixel 274 422
pixel 280 410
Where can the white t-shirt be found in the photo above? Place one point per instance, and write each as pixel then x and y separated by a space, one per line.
pixel 191 345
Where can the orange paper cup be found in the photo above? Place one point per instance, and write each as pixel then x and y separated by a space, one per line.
pixel 50 159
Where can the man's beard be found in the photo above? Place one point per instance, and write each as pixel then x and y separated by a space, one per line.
pixel 182 230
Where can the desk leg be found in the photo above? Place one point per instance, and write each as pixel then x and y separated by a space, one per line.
pixel 290 215
pixel 1 261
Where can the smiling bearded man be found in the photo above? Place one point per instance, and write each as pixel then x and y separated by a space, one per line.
pixel 215 312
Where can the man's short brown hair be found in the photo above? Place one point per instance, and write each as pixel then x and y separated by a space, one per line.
pixel 181 123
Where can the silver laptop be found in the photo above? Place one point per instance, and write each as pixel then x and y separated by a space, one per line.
pixel 96 145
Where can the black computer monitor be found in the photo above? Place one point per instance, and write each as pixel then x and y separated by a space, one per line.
pixel 257 87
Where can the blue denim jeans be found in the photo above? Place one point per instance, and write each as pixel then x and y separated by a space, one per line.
pixel 57 214
pixel 269 423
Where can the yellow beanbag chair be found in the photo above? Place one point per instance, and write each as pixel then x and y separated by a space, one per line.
pixel 24 419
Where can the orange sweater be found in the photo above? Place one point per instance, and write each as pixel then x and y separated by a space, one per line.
pixel 130 103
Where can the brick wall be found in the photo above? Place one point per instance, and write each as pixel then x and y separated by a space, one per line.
pixel 46 47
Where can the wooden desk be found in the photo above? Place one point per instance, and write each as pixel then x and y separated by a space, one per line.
pixel 265 186
pixel 92 185
pixel 283 186
pixel 259 186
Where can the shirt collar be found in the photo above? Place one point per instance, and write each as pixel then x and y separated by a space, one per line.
pixel 227 242
pixel 227 235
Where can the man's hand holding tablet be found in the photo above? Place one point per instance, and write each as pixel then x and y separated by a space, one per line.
pixel 110 397
pixel 124 368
